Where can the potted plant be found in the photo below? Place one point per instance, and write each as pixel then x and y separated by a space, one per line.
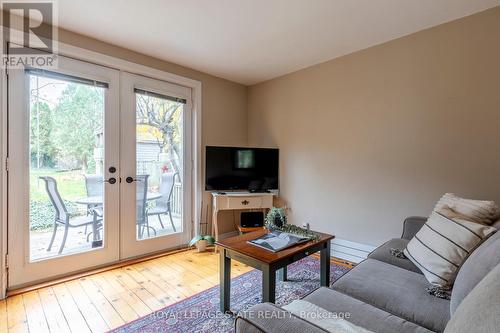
pixel 201 242
pixel 276 218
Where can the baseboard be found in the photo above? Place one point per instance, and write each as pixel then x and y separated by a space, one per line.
pixel 350 251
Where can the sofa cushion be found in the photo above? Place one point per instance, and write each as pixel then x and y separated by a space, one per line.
pixel 443 244
pixel 480 310
pixel 397 291
pixel 329 321
pixel 383 253
pixel 268 318
pixel 362 314
pixel 475 268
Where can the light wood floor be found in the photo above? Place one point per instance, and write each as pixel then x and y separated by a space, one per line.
pixel 107 300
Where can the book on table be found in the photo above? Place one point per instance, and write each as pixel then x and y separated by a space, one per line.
pixel 277 240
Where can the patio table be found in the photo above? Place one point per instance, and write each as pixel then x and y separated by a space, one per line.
pixel 97 200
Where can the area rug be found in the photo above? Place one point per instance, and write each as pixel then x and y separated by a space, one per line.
pixel 200 313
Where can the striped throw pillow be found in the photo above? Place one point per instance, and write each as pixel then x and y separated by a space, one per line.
pixel 443 244
pixel 480 211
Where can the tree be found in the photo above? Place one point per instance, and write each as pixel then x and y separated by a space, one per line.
pixel 78 118
pixel 163 115
pixel 42 149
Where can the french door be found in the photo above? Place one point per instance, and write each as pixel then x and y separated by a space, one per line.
pixel 156 165
pixel 99 168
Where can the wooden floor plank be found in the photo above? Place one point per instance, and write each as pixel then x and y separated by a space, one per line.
pixel 129 283
pixel 16 315
pixel 3 316
pixel 161 295
pixel 107 311
pixel 80 313
pixel 114 298
pixel 175 278
pixel 106 300
pixel 128 295
pixel 188 277
pixel 174 295
pixel 34 312
pixel 53 312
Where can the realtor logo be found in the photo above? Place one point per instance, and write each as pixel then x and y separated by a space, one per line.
pixel 29 28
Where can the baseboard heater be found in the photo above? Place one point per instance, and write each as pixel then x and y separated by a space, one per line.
pixel 350 251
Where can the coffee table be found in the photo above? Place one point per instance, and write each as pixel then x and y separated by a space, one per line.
pixel 268 262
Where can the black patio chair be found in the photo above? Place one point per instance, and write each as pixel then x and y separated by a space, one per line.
pixel 63 217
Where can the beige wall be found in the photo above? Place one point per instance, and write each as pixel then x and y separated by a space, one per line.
pixel 375 136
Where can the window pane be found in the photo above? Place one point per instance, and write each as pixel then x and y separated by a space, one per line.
pixel 66 141
pixel 159 151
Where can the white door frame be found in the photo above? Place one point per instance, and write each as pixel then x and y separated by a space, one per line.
pixel 3 184
pixel 122 65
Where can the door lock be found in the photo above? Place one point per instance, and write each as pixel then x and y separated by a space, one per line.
pixel 130 179
pixel 111 180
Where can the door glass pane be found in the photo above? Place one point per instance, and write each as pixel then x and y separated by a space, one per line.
pixel 159 153
pixel 66 141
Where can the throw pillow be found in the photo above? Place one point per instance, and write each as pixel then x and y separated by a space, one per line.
pixel 479 211
pixel 443 244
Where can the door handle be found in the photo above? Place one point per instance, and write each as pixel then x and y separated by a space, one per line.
pixel 130 179
pixel 111 180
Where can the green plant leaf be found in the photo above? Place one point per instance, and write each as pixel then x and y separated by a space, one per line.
pixel 210 240
pixel 195 239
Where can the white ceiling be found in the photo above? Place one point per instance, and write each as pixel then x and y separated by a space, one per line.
pixel 249 41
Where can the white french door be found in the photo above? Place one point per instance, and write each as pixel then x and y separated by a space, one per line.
pixel 63 133
pixel 156 165
pixel 100 168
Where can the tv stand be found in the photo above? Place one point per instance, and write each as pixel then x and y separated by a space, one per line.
pixel 238 200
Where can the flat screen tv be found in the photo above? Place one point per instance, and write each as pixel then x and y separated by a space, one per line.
pixel 238 168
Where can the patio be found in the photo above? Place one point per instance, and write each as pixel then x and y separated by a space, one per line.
pixel 77 192
pixel 77 238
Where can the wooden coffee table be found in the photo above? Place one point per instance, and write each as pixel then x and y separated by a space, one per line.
pixel 268 262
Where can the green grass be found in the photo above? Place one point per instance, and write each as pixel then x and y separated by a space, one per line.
pixel 71 184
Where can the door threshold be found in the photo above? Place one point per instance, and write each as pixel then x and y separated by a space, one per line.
pixel 74 276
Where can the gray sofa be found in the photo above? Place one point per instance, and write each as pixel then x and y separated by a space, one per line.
pixel 388 294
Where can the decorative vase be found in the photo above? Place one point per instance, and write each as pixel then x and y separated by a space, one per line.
pixel 201 245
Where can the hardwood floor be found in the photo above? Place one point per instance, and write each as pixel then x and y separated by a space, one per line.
pixel 106 300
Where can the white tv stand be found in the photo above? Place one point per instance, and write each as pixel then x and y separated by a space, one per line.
pixel 237 200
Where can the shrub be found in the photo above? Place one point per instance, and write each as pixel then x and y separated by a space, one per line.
pixel 42 214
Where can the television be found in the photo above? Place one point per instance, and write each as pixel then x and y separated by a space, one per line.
pixel 239 168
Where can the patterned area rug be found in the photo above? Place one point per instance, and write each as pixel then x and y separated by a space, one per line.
pixel 200 313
